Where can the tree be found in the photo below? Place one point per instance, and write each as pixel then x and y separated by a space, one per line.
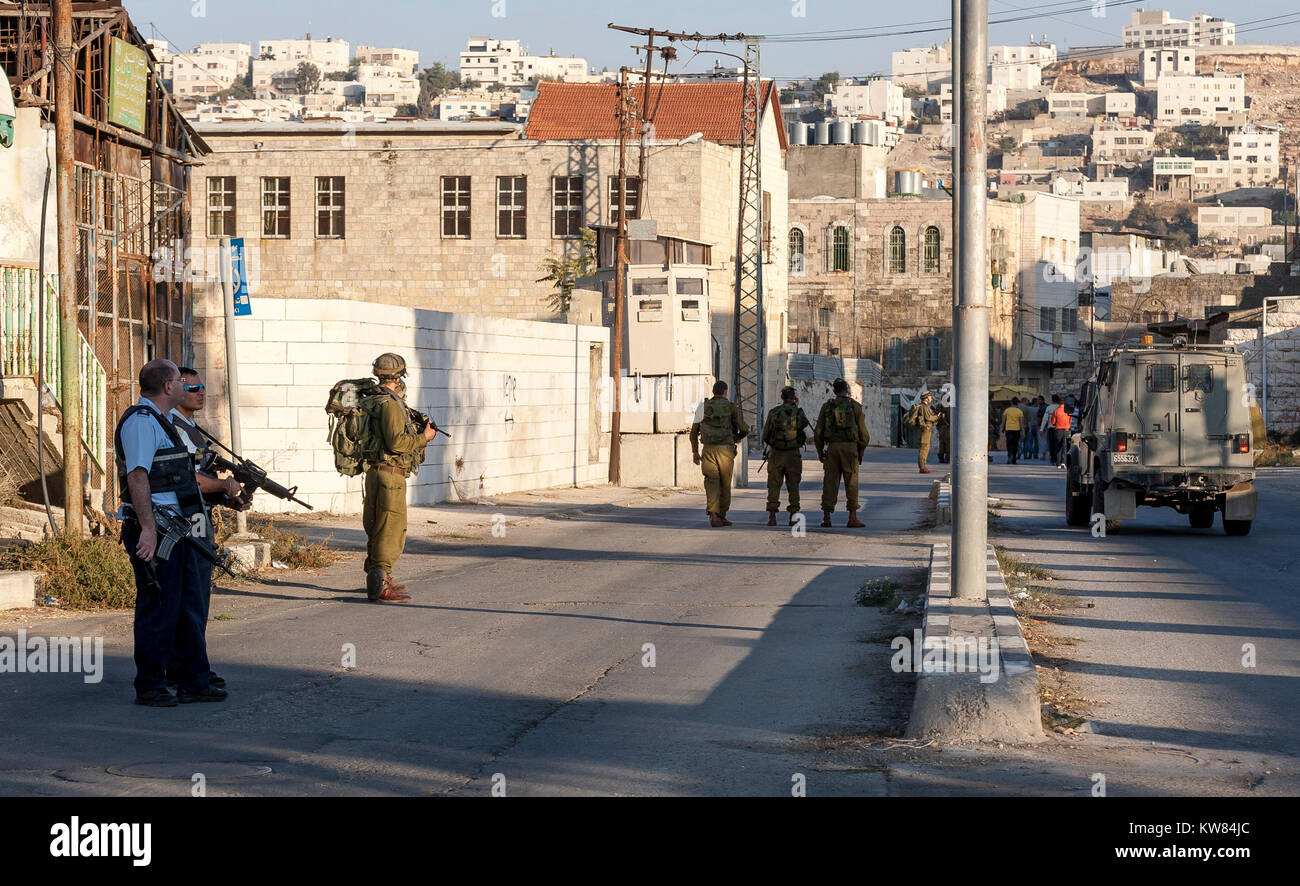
pixel 238 89
pixel 308 77
pixel 565 272
pixel 408 111
pixel 341 75
pixel 825 83
pixel 1167 139
pixel 434 81
pixel 913 91
pixel 1027 110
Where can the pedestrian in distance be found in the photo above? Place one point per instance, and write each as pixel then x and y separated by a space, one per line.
pixel 720 427
pixel 216 492
pixel 1061 420
pixel 1012 422
pixel 1040 429
pixel 155 471
pixel 923 416
pixel 841 439
pixel 783 434
pixel 399 443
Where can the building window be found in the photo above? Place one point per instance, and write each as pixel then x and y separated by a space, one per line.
pixel 796 252
pixel 275 207
pixel 897 251
pixel 455 206
pixel 932 353
pixel 840 248
pixel 931 258
pixel 1069 319
pixel 329 207
pixel 894 358
pixel 512 206
pixel 566 205
pixel 221 206
pixel 1047 319
pixel 631 198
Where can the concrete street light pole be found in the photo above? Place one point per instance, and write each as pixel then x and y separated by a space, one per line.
pixel 970 466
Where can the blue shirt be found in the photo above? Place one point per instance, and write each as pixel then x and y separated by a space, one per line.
pixel 142 437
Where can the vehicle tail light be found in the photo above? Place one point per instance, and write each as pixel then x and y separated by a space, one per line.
pixel 1121 441
pixel 1241 443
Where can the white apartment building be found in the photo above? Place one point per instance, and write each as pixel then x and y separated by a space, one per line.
pixel 1112 143
pixel 1158 28
pixel 1156 62
pixel 1254 156
pixel 204 75
pixel 330 54
pixel 1107 257
pixel 1020 67
pixel 242 53
pixel 463 107
pixel 1183 99
pixel 875 98
pixel 1074 105
pixel 486 61
pixel 995 97
pixel 1049 318
pixel 387 86
pixel 163 56
pixel 1234 224
pixel 924 68
pixel 405 60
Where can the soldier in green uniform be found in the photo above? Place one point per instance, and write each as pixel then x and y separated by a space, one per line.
pixel 399 444
pixel 923 417
pixel 841 438
pixel 720 426
pixel 783 432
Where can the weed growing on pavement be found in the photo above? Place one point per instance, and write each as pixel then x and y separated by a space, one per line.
pixel 1277 455
pixel 878 592
pixel 287 547
pixel 1011 565
pixel 86 572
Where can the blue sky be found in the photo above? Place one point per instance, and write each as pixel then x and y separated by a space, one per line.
pixel 438 28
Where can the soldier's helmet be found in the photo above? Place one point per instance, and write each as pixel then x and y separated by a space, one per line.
pixel 787 393
pixel 926 395
pixel 389 366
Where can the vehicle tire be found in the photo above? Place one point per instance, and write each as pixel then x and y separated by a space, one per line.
pixel 1237 527
pixel 1076 501
pixel 1099 505
pixel 1201 518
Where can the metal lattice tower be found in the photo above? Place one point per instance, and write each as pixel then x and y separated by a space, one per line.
pixel 749 338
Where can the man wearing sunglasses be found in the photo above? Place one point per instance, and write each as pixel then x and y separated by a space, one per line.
pixel 216 491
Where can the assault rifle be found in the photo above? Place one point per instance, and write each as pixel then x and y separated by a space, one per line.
pixel 249 475
pixel 173 528
pixel 423 421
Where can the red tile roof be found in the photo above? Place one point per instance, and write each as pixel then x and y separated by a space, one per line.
pixel 590 110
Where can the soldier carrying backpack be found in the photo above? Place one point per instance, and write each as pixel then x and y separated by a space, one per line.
pixel 720 426
pixel 372 430
pixel 841 439
pixel 783 432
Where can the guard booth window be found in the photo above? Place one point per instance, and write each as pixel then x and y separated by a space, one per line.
pixel 1160 378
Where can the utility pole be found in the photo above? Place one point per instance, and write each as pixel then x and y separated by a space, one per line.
pixel 644 123
pixel 970 466
pixel 65 89
pixel 954 52
pixel 620 283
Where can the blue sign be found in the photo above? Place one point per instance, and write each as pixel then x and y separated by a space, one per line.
pixel 239 279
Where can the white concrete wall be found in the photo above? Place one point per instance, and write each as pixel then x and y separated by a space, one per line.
pixel 1283 364
pixel 506 391
pixel 813 393
pixel 22 179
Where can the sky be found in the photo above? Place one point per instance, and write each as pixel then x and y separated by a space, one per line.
pixel 438 29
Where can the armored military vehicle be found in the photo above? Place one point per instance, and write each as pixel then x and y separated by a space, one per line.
pixel 1164 425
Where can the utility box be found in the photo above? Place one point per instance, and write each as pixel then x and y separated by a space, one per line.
pixel 667 316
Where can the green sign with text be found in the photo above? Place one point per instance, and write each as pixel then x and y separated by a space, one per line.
pixel 128 80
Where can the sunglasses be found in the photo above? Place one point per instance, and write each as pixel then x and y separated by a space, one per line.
pixel 193 389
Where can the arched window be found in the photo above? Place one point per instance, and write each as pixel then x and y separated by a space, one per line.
pixel 840 248
pixel 932 352
pixel 897 251
pixel 894 358
pixel 796 252
pixel 931 258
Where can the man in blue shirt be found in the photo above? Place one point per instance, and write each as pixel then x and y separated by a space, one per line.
pixel 154 466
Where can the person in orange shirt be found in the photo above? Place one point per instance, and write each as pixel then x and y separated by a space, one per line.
pixel 1059 430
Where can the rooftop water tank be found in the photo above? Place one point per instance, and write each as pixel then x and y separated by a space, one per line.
pixel 907 182
pixel 841 132
pixel 798 134
pixel 822 133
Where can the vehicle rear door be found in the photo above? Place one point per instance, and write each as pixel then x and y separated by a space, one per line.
pixel 1203 393
pixel 1156 406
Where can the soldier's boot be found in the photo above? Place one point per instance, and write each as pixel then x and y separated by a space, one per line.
pixel 925 470
pixel 395 584
pixel 854 522
pixel 771 518
pixel 826 519
pixel 375 581
pixel 723 521
pixel 391 594
pixel 714 520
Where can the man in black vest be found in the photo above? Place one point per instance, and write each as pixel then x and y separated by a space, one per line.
pixel 155 470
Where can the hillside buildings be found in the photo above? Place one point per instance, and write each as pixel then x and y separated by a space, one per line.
pixel 1159 28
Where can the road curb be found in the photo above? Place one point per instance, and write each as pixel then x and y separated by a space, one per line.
pixel 956 703
pixel 943 503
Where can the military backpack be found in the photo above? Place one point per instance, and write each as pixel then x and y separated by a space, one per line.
pixel 785 432
pixel 351 432
pixel 716 427
pixel 842 423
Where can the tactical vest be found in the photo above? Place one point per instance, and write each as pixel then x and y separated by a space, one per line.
pixel 377 455
pixel 842 423
pixel 201 447
pixel 172 468
pixel 785 430
pixel 717 427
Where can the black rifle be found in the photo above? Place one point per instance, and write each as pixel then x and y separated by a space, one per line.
pixel 764 464
pixel 249 475
pixel 172 527
pixel 422 419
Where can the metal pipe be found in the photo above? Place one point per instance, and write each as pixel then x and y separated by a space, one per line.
pixel 232 364
pixel 620 287
pixel 970 468
pixel 65 89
